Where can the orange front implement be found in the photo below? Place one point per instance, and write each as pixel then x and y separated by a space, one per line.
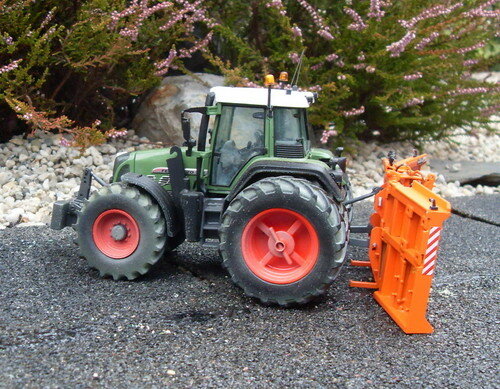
pixel 404 240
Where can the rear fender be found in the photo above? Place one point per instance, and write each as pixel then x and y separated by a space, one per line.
pixel 309 171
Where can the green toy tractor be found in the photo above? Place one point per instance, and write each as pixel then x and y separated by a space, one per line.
pixel 252 186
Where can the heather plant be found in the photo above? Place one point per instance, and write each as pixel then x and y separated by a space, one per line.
pixel 76 66
pixel 386 70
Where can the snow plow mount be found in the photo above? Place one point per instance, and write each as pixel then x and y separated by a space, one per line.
pixel 406 228
pixel 361 229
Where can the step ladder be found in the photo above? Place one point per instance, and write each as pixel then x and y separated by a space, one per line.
pixel 210 222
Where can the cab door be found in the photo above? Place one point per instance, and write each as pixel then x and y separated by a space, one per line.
pixel 240 136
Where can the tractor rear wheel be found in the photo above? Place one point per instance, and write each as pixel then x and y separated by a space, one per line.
pixel 283 240
pixel 121 231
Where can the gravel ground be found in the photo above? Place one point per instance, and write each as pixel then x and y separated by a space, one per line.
pixel 36 172
pixel 188 325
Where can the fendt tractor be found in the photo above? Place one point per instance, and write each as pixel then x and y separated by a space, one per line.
pixel 252 186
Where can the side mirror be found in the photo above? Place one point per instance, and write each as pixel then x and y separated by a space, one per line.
pixel 186 128
pixel 186 133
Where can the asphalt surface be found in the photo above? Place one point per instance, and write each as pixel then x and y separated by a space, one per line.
pixel 188 325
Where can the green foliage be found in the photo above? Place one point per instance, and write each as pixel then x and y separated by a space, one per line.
pixel 413 92
pixel 88 59
pixel 376 74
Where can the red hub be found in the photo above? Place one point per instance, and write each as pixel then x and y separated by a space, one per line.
pixel 116 233
pixel 280 246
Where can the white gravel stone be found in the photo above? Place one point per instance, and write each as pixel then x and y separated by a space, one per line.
pixel 14 215
pixel 36 172
pixel 482 146
pixel 5 176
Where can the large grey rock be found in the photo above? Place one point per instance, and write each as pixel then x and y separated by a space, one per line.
pixel 493 77
pixel 468 172
pixel 158 118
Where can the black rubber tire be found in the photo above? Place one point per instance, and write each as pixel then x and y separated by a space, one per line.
pixel 349 208
pixel 304 198
pixel 175 242
pixel 151 223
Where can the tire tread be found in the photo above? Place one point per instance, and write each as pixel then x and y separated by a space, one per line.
pixel 152 211
pixel 308 192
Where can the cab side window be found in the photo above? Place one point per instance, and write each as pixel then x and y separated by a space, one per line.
pixel 289 124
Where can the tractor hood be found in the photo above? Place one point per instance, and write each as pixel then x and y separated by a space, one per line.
pixel 320 154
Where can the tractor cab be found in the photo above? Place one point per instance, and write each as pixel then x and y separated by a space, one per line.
pixel 243 126
pixel 250 123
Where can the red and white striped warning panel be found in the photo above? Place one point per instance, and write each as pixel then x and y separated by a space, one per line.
pixel 431 252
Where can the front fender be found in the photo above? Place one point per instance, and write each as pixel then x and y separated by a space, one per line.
pixel 162 197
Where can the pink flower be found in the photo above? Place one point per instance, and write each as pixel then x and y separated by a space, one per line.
pixel 493 110
pixel 370 69
pixel 278 5
pixel 375 10
pixel 325 34
pixel 13 65
pixel 470 62
pixel 65 142
pixel 326 135
pixel 413 76
pixel 432 12
pixel 425 41
pixel 296 31
pixel 414 101
pixel 358 24
pixel 317 66
pixel 354 112
pixel 398 47
pixel 331 57
pixel 323 29
pixel 117 134
pixel 47 19
pixel 481 12
pixel 471 91
pixel 138 11
pixel 251 84
pixel 186 53
pixel 315 88
pixel 476 46
pixel 295 57
pixel 340 63
pixel 165 65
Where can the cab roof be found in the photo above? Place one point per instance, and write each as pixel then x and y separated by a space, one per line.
pixel 259 96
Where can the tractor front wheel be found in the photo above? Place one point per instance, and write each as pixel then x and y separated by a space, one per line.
pixel 283 240
pixel 121 231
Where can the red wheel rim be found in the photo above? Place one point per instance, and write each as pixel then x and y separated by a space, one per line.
pixel 280 246
pixel 116 233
